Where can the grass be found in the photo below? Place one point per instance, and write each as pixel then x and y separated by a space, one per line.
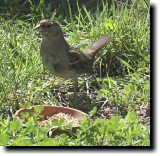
pixel 99 132
pixel 121 107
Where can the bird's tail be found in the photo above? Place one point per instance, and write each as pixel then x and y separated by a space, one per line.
pixel 93 49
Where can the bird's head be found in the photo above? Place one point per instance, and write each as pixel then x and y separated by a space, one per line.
pixel 48 29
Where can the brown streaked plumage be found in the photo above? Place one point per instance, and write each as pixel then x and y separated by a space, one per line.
pixel 60 58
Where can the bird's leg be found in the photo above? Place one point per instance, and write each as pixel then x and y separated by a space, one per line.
pixel 87 86
pixel 75 83
pixel 97 83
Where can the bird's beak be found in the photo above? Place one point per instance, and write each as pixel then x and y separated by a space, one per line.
pixel 38 28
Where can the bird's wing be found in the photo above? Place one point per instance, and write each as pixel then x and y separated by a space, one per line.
pixel 79 61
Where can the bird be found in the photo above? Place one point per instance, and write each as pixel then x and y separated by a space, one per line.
pixel 62 59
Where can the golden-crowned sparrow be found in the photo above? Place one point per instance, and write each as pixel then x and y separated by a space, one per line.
pixel 60 58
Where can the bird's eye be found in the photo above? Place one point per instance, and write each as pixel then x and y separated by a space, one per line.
pixel 48 26
pixel 43 26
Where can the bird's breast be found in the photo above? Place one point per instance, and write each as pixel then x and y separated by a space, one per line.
pixel 57 64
